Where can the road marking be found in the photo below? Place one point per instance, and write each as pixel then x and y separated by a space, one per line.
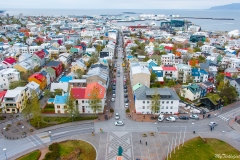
pixel 31 141
pixel 69 131
pixel 36 140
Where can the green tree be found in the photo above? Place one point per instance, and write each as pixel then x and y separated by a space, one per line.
pixel 78 41
pixel 153 77
pixel 228 91
pixel 47 93
pixel 1 39
pixel 71 106
pixel 25 75
pixel 219 78
pixel 199 44
pixel 16 84
pixel 197 49
pixel 58 92
pixel 27 107
pixel 79 73
pixel 94 100
pixel 36 109
pixel 93 59
pixel 201 59
pixel 186 58
pixel 155 104
pixel 99 48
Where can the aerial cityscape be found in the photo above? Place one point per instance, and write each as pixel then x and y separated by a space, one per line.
pixel 119 84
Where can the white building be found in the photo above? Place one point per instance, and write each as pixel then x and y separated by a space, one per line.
pixel 169 101
pixel 184 71
pixel 168 59
pixel 7 76
pixel 33 49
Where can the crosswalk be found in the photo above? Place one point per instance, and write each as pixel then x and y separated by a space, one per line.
pixel 223 118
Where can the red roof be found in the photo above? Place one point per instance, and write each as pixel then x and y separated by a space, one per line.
pixel 169 68
pixel 40 54
pixel 91 86
pixel 10 60
pixel 38 76
pixel 80 47
pixel 228 74
pixel 168 47
pixel 78 93
pixel 2 94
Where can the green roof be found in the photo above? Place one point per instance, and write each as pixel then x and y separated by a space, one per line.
pixel 73 50
pixel 213 98
pixel 136 86
pixel 194 88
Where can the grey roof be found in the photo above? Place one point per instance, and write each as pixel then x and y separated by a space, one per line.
pixel 53 63
pixel 166 93
pixel 204 65
pixel 237 81
pixel 207 83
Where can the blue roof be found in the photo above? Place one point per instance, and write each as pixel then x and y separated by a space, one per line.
pixel 195 72
pixel 203 71
pixel 129 57
pixel 51 100
pixel 152 64
pixel 66 79
pixel 60 99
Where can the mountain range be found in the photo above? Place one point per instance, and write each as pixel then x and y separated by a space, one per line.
pixel 233 6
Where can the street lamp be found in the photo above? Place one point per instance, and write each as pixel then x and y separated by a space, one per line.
pixel 22 129
pixel 72 117
pixel 132 114
pixel 49 134
pixel 4 150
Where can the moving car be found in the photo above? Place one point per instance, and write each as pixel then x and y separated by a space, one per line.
pixel 117 116
pixel 171 118
pixel 161 118
pixel 184 117
pixel 194 116
pixel 212 124
pixel 119 123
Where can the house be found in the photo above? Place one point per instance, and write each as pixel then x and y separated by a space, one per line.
pixel 170 72
pixel 56 65
pixel 151 64
pixel 79 64
pixel 60 103
pixel 65 79
pixel 51 72
pixel 196 75
pixel 169 100
pixel 184 72
pixel 33 49
pixel 212 101
pixel 159 72
pixel 191 92
pixel 13 99
pixel 203 90
pixel 48 77
pixel 107 53
pixel 39 58
pixel 2 94
pixel 24 66
pixel 203 75
pixel 139 74
pixel 98 73
pixel 9 62
pixel 168 59
pixel 209 86
pixel 34 87
pixel 7 76
pixel 60 86
pixel 39 79
pixel 65 58
pixel 78 83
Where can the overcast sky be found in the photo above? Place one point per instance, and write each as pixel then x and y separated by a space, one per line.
pixel 115 4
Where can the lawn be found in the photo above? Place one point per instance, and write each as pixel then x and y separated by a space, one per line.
pixel 31 156
pixel 198 149
pixel 88 152
pixel 49 108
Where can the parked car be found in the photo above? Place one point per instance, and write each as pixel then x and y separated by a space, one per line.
pixel 175 116
pixel 212 124
pixel 184 117
pixel 126 100
pixel 125 90
pixel 194 116
pixel 161 118
pixel 117 116
pixel 114 95
pixel 126 105
pixel 125 87
pixel 171 118
pixel 125 95
pixel 113 99
pixel 119 75
pixel 119 123
pixel 113 92
pixel 114 87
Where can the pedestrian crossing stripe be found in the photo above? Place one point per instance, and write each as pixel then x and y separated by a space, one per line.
pixel 223 118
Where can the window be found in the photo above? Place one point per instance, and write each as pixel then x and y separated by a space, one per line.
pixel 171 102
pixel 143 101
pixel 162 107
pixel 8 110
pixel 65 107
pixel 162 102
pixel 148 107
pixel 167 107
pixel 147 102
pixel 82 101
pixel 58 106
pixel 143 107
pixel 171 107
pixel 167 102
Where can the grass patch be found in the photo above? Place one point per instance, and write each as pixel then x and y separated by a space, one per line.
pixel 35 155
pixel 51 121
pixel 198 149
pixel 88 152
pixel 49 108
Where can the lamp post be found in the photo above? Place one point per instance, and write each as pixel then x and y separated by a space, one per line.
pixel 72 117
pixel 4 150
pixel 22 129
pixel 132 114
pixel 49 134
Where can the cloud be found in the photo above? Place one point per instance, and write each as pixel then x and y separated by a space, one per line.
pixel 115 4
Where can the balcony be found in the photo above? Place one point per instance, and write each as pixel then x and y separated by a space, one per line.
pixel 168 73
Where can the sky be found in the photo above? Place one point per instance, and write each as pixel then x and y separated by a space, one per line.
pixel 114 4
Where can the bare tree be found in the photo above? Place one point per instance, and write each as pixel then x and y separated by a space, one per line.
pixel 186 58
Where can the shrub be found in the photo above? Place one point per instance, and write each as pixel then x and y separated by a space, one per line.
pixel 18 123
pixel 31 130
pixel 8 125
pixel 54 154
pixel 111 110
pixel 144 135
pixel 54 147
pixel 127 110
pixel 152 134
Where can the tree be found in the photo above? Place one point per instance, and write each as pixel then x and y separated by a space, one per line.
pixel 98 48
pixel 155 105
pixel 68 46
pixel 197 49
pixel 93 59
pixel 228 91
pixel 1 39
pixel 79 73
pixel 201 59
pixel 71 106
pixel 186 58
pixel 189 79
pixel 27 108
pixel 47 93
pixel 153 77
pixel 16 84
pixel 36 109
pixel 58 92
pixel 78 41
pixel 199 44
pixel 94 100
pixel 25 75
pixel 219 78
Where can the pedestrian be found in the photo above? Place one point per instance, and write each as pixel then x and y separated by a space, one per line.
pixel 146 143
pixel 140 142
pixel 211 128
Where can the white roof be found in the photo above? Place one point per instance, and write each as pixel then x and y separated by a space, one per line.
pixel 12 93
pixel 33 85
pixel 63 86
pixel 78 81
pixel 8 70
pixel 140 69
pixel 157 68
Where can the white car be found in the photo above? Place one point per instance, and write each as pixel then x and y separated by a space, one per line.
pixel 119 123
pixel 126 105
pixel 194 116
pixel 212 124
pixel 117 116
pixel 171 118
pixel 113 99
